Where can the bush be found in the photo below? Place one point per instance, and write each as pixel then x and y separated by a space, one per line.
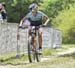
pixel 66 22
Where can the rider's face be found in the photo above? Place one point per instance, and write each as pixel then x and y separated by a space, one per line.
pixel 34 13
pixel 35 9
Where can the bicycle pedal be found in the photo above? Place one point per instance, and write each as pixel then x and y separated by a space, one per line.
pixel 39 53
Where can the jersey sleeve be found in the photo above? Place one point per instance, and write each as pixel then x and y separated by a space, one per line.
pixel 42 14
pixel 28 15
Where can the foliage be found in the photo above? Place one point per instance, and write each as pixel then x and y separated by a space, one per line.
pixel 16 9
pixel 62 13
pixel 65 21
pixel 59 11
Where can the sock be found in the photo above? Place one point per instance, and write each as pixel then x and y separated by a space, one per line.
pixel 40 47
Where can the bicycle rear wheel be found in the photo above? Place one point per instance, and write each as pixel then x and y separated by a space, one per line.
pixel 38 56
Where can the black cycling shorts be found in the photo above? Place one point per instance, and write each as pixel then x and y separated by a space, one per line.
pixel 35 23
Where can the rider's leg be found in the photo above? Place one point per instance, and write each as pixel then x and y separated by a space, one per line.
pixel 34 42
pixel 40 38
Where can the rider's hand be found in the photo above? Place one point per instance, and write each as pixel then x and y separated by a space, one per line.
pixel 43 25
pixel 20 27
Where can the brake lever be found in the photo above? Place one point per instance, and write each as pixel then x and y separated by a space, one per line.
pixel 43 25
pixel 20 27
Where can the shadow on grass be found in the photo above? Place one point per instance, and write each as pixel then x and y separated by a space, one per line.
pixel 5 61
pixel 14 64
pixel 69 55
pixel 13 57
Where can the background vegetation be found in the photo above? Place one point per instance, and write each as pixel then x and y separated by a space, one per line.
pixel 60 12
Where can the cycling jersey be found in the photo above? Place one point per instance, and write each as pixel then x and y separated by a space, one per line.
pixel 38 16
pixel 35 20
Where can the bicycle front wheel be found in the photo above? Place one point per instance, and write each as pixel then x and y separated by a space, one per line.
pixel 31 54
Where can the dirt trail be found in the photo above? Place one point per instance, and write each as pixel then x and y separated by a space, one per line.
pixel 68 51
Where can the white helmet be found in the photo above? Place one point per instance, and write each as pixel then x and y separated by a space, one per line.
pixel 31 6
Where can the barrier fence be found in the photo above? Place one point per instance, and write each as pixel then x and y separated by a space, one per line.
pixel 9 44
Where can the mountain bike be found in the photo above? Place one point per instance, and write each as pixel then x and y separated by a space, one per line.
pixel 34 55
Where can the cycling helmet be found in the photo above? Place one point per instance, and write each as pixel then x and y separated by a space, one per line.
pixel 31 6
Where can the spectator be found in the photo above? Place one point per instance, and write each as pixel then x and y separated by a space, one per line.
pixel 3 13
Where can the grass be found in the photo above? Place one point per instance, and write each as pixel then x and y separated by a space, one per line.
pixel 10 57
pixel 60 62
pixel 70 55
pixel 15 60
pixel 67 61
pixel 48 51
pixel 68 45
pixel 7 55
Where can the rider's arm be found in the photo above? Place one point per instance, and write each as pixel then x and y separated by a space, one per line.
pixel 46 20
pixel 24 18
pixel 22 21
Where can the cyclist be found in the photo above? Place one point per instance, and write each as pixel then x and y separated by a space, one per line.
pixel 35 18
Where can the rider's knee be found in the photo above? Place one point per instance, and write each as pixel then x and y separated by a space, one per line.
pixel 40 34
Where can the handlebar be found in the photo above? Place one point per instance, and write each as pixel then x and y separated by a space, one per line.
pixel 20 27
